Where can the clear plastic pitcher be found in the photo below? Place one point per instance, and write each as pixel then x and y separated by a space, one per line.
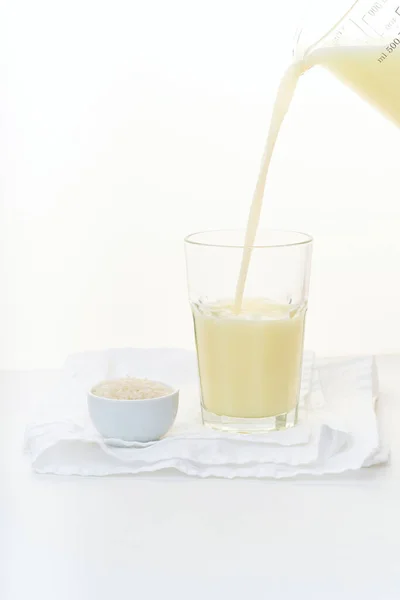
pixel 359 42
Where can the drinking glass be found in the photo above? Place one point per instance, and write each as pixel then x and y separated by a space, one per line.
pixel 249 358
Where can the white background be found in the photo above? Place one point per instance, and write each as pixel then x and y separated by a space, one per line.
pixel 125 125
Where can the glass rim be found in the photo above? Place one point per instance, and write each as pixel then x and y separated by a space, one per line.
pixel 306 239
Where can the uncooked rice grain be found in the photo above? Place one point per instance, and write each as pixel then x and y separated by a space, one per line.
pixel 130 388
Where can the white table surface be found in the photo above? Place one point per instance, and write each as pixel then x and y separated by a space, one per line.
pixel 174 536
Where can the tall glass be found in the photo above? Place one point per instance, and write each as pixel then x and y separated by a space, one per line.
pixel 249 361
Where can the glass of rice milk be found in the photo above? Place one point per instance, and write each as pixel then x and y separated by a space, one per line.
pixel 250 349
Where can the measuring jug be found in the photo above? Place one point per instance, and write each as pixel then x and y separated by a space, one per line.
pixel 359 42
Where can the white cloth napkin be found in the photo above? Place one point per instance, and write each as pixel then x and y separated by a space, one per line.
pixel 338 428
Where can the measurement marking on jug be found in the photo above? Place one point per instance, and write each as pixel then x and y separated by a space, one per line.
pixel 376 20
pixel 389 49
pixel 375 8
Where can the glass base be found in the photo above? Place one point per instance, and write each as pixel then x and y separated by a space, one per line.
pixel 243 425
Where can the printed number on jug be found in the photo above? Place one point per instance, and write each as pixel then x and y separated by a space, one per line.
pixel 393 45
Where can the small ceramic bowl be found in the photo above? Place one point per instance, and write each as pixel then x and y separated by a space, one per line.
pixel 134 420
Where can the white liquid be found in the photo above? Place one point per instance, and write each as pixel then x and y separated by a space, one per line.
pixel 284 97
pixel 249 364
pixel 250 350
pixel 370 70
